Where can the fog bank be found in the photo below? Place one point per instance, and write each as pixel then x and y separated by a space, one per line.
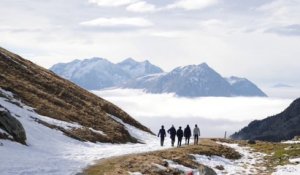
pixel 214 115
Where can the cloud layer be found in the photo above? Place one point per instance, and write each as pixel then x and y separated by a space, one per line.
pixel 115 22
pixel 158 109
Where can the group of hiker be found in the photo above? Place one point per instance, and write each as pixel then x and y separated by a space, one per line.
pixel 186 133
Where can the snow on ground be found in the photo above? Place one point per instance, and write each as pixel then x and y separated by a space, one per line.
pixel 246 165
pixel 291 142
pixel 182 168
pixel 290 169
pixel 51 152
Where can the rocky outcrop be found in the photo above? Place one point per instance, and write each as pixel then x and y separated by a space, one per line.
pixel 12 126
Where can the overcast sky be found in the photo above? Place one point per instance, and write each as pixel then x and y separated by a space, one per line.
pixel 257 39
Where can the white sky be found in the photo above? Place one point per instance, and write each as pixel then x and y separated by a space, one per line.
pixel 257 39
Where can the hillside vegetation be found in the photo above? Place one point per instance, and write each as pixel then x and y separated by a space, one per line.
pixel 283 126
pixel 60 99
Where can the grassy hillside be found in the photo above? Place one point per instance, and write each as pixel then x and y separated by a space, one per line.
pixel 60 99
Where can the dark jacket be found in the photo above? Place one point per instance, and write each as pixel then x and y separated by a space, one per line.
pixel 179 133
pixel 172 132
pixel 187 132
pixel 162 133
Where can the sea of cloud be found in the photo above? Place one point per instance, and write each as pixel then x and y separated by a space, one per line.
pixel 214 115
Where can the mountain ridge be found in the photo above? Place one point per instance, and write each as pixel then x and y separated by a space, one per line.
pixel 283 126
pixel 194 81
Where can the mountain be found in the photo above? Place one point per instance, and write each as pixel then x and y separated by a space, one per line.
pixel 99 73
pixel 53 102
pixel 92 74
pixel 281 85
pixel 137 69
pixel 195 81
pixel 244 87
pixel 283 126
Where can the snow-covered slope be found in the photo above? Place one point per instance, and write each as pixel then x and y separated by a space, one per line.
pixel 194 81
pixel 51 152
pixel 244 87
pixel 138 69
pixel 98 73
pixel 94 73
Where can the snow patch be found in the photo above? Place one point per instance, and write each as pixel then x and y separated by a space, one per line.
pixel 291 142
pixel 287 170
pixel 295 160
pixel 182 168
pixel 49 151
pixel 245 165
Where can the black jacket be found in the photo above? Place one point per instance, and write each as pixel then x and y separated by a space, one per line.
pixel 162 133
pixel 172 131
pixel 179 133
pixel 187 132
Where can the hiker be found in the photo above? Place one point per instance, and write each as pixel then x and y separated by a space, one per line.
pixel 187 134
pixel 196 133
pixel 172 132
pixel 162 134
pixel 179 136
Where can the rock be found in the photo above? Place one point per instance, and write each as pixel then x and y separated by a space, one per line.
pixel 204 170
pixel 251 142
pixel 220 167
pixel 12 126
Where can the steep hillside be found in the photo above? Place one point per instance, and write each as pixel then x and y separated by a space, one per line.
pixel 283 126
pixel 195 81
pixel 57 98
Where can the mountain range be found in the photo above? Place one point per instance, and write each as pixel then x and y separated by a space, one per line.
pixel 187 81
pixel 283 126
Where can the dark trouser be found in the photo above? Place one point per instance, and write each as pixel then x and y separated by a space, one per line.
pixel 187 140
pixel 172 140
pixel 162 139
pixel 179 141
pixel 196 137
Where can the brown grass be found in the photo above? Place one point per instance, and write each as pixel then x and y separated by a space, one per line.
pixel 58 98
pixel 144 162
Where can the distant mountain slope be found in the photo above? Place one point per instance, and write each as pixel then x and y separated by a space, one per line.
pixel 99 73
pixel 281 85
pixel 137 69
pixel 95 73
pixel 244 87
pixel 57 98
pixel 283 126
pixel 194 81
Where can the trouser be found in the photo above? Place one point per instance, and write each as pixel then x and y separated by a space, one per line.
pixel 187 140
pixel 172 140
pixel 179 141
pixel 162 140
pixel 196 138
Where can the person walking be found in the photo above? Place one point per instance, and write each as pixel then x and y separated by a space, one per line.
pixel 187 134
pixel 179 136
pixel 172 132
pixel 162 134
pixel 196 133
